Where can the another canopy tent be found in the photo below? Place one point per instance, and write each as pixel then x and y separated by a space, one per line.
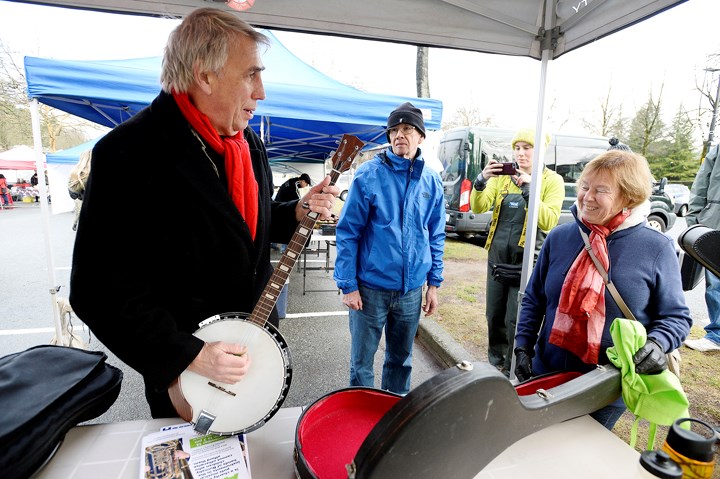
pixel 59 165
pixel 19 158
pixel 303 116
pixel 70 156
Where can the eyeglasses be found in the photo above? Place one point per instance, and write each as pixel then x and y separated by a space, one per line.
pixel 405 130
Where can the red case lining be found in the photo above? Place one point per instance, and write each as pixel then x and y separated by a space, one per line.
pixel 333 428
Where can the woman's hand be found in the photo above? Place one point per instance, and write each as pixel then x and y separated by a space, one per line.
pixel 650 359
pixel 521 178
pixel 492 169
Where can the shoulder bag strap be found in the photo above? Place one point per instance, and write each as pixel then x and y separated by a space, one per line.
pixel 613 290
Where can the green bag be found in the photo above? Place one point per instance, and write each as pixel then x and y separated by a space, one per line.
pixel 657 398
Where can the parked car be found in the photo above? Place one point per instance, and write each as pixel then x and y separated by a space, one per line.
pixel 343 182
pixel 680 195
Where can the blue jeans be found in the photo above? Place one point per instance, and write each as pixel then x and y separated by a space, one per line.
pixel 712 300
pixel 399 315
pixel 608 415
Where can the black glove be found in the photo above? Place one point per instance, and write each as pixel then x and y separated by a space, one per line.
pixel 523 363
pixel 650 359
pixel 480 182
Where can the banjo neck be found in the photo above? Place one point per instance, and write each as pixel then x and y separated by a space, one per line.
pixel 342 159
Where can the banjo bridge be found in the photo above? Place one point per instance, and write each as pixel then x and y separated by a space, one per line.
pixel 220 388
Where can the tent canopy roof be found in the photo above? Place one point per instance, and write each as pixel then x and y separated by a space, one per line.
pixel 303 116
pixel 509 27
pixel 19 158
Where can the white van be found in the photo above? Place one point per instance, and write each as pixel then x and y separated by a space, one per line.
pixel 465 151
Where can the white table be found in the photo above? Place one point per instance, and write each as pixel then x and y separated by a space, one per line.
pixel 576 448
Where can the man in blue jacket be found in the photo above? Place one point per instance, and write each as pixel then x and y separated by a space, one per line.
pixel 390 241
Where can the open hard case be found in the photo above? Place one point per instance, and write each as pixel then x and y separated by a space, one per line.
pixel 441 428
pixel 702 243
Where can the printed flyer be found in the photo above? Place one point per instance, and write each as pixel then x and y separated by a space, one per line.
pixel 178 452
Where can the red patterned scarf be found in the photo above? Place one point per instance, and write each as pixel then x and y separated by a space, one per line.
pixel 580 316
pixel 242 186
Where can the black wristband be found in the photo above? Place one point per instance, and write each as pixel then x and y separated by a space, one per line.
pixel 480 183
pixel 525 191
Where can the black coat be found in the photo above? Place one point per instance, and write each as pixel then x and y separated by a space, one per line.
pixel 160 245
pixel 288 190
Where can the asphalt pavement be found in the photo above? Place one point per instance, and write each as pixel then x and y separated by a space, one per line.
pixel 315 326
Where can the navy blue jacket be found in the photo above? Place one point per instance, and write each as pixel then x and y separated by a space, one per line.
pixel 644 268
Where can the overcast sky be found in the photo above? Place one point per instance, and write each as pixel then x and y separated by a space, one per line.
pixel 671 48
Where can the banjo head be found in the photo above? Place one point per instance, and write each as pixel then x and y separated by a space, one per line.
pixel 245 406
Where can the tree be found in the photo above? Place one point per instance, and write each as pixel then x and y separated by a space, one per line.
pixel 674 157
pixel 647 126
pixel 421 72
pixel 611 121
pixel 468 116
pixel 59 130
pixel 712 94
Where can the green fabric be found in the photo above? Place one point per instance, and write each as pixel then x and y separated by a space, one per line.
pixel 656 398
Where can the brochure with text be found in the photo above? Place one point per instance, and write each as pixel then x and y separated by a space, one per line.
pixel 178 452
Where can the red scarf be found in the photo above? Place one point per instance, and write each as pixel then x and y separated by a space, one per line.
pixel 242 186
pixel 580 316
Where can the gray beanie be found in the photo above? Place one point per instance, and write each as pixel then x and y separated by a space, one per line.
pixel 408 114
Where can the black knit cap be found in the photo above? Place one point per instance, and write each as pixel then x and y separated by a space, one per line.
pixel 408 114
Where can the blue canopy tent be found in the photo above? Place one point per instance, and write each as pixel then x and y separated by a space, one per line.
pixel 59 166
pixel 70 155
pixel 303 116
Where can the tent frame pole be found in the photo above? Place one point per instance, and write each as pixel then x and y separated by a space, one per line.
pixel 548 44
pixel 45 214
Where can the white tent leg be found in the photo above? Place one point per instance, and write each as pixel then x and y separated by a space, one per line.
pixel 45 213
pixel 537 169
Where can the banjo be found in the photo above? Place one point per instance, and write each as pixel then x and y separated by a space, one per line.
pixel 228 409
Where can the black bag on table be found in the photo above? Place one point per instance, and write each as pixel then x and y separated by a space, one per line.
pixel 507 274
pixel 46 391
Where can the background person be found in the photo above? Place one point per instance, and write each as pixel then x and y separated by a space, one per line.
pixel 704 208
pixel 508 196
pixel 4 190
pixel 290 190
pixel 564 322
pixel 77 181
pixel 390 242
pixel 143 278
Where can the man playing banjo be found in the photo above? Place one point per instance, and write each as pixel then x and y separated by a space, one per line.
pixel 144 277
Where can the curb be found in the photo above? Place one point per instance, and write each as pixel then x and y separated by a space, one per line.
pixel 441 345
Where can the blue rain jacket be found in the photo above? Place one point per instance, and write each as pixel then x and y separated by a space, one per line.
pixel 391 233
